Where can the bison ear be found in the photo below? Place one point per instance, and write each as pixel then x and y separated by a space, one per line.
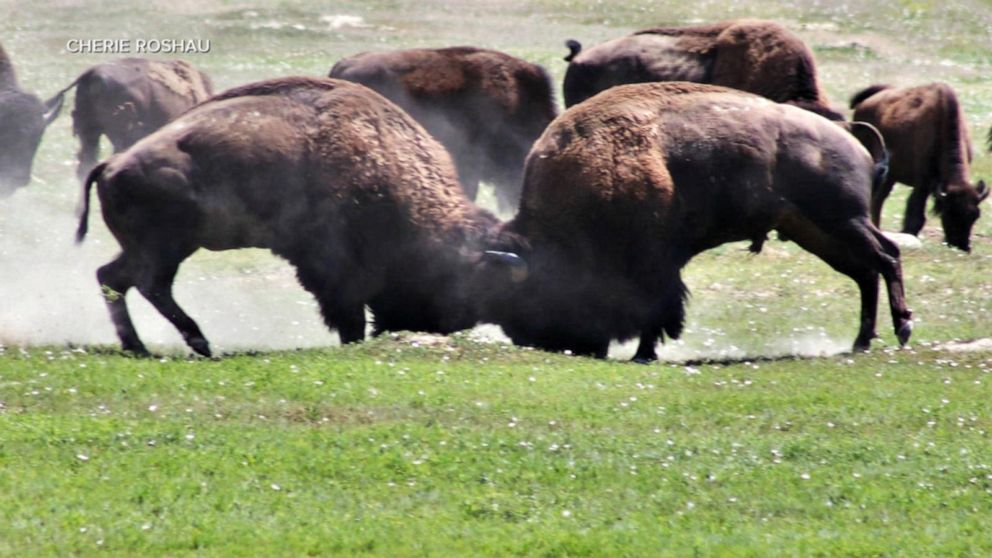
pixel 516 264
pixel 983 191
pixel 53 107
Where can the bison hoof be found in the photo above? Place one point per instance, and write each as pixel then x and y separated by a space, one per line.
pixel 905 330
pixel 200 346
pixel 641 359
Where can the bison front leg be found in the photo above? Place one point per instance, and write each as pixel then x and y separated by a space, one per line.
pixel 341 303
pixel 646 353
pixel 878 197
pixel 916 209
pixel 115 279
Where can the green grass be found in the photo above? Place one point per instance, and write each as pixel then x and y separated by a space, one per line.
pixel 460 447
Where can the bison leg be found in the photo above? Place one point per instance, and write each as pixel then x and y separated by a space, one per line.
pixel 845 254
pixel 646 353
pixel 156 286
pixel 902 317
pixel 342 307
pixel 916 209
pixel 115 279
pixel 878 197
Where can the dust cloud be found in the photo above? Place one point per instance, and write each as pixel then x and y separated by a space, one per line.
pixel 49 293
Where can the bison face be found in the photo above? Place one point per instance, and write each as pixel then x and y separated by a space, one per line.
pixel 959 210
pixel 23 119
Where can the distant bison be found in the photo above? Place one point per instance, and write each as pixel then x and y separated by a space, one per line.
pixel 926 133
pixel 23 119
pixel 752 55
pixel 485 107
pixel 128 99
pixel 624 189
pixel 325 173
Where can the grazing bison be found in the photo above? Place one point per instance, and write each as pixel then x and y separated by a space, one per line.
pixel 485 107
pixel 23 119
pixel 325 173
pixel 752 55
pixel 128 99
pixel 624 189
pixel 926 133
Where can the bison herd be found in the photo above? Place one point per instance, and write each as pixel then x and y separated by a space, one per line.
pixel 675 140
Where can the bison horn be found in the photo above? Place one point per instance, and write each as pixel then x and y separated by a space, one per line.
pixel 983 191
pixel 517 265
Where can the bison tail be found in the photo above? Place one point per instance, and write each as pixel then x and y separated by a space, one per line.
pixel 862 95
pixel 84 213
pixel 989 139
pixel 574 48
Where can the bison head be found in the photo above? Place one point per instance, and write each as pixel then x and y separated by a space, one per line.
pixel 958 210
pixel 23 119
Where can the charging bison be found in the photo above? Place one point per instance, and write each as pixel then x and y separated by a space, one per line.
pixel 624 189
pixel 325 173
pixel 128 99
pixel 23 119
pixel 926 133
pixel 485 107
pixel 752 55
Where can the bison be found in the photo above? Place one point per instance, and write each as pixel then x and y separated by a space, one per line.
pixel 622 190
pixel 926 133
pixel 324 173
pixel 23 119
pixel 757 56
pixel 128 99
pixel 484 106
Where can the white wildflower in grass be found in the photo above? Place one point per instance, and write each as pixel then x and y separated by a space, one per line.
pixel 804 476
pixel 566 513
pixel 82 457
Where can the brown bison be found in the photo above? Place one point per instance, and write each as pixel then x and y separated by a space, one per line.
pixel 624 189
pixel 23 119
pixel 128 99
pixel 752 55
pixel 926 133
pixel 325 173
pixel 485 107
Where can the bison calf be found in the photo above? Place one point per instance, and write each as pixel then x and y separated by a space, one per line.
pixel 325 173
pixel 926 133
pixel 624 189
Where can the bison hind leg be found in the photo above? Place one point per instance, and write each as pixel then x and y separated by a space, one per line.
pixel 115 279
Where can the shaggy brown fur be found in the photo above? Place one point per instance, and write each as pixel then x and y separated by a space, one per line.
pixel 23 119
pixel 484 106
pixel 624 189
pixel 128 99
pixel 757 56
pixel 325 173
pixel 927 135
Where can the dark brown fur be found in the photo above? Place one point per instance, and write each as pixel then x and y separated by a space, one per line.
pixel 325 173
pixel 926 133
pixel 756 56
pixel 484 106
pixel 23 119
pixel 624 189
pixel 127 99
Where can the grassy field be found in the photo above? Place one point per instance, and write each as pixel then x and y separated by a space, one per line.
pixel 756 436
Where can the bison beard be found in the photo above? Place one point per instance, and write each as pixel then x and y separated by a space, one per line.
pixel 325 173
pixel 624 189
